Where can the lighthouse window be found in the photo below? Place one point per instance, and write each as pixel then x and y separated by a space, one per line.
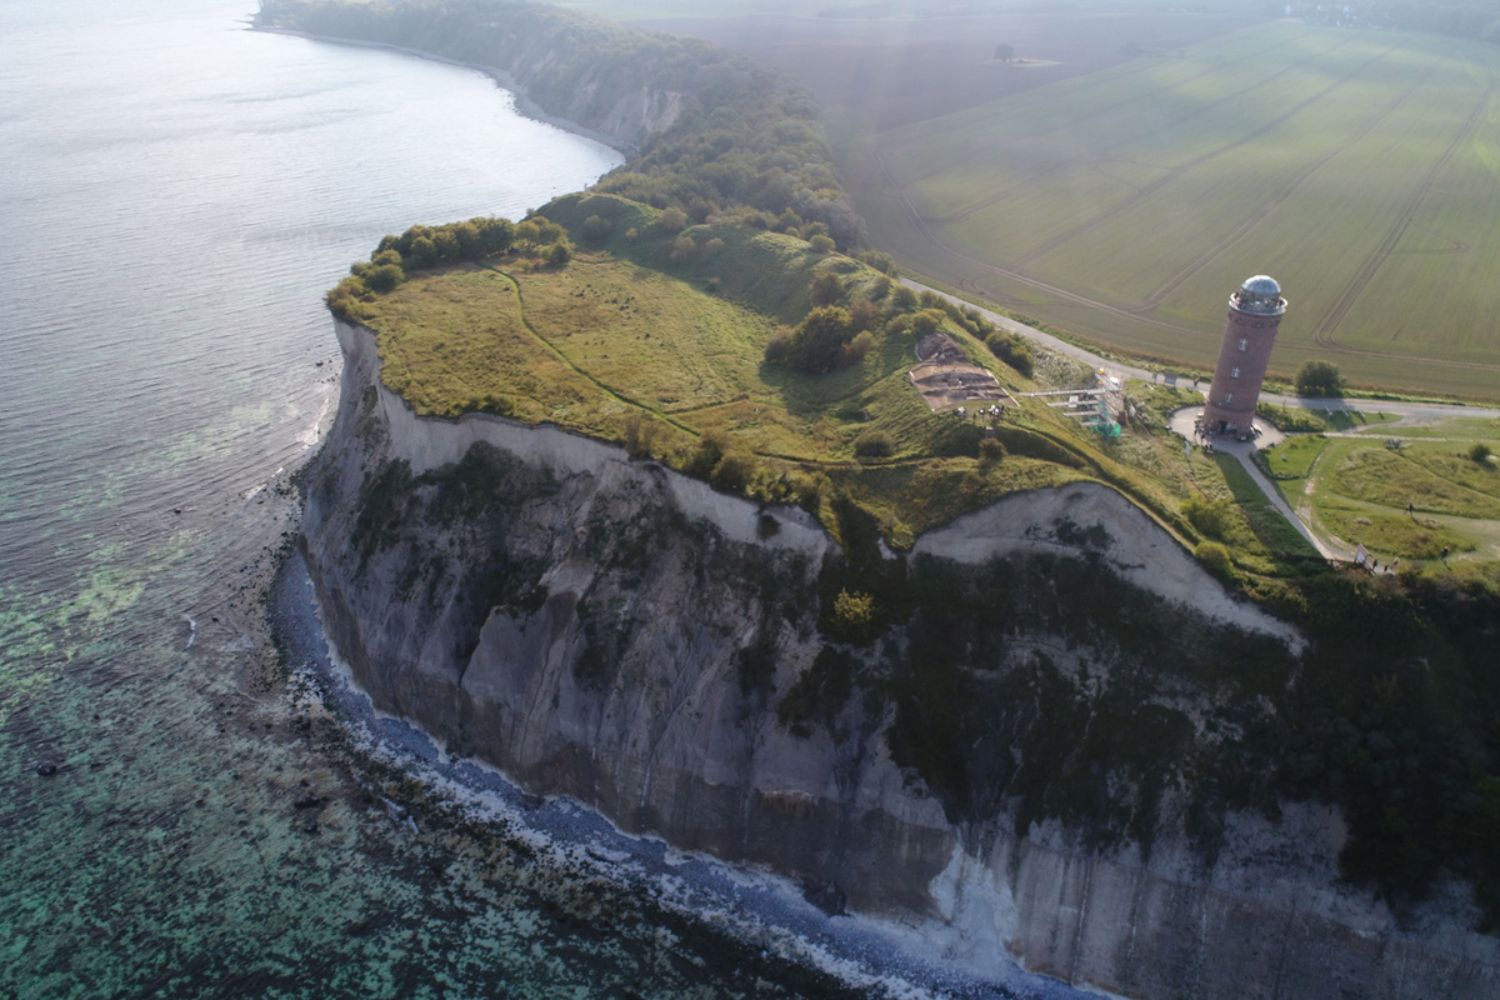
pixel 1235 373
pixel 1229 397
pixel 1244 343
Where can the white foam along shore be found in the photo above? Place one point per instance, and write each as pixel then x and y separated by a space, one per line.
pixel 880 956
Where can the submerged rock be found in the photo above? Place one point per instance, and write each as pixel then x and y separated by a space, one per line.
pixel 825 896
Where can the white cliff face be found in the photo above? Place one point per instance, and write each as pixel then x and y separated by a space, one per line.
pixel 615 631
pixel 1136 549
pixel 427 443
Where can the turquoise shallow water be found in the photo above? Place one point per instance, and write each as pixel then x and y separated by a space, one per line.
pixel 177 192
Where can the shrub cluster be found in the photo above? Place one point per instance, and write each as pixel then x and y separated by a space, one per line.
pixel 1210 517
pixel 827 339
pixel 1319 378
pixel 1013 350
pixel 1215 558
pixel 424 247
pixel 874 444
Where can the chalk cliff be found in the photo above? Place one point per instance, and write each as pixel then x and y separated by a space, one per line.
pixel 612 630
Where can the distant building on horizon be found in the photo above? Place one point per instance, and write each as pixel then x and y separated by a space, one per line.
pixel 1255 313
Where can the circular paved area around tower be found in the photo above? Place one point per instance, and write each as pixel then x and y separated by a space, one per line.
pixel 1185 421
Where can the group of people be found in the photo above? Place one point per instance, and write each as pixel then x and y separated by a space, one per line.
pixel 1204 438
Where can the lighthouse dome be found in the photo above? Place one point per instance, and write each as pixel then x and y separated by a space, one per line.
pixel 1260 294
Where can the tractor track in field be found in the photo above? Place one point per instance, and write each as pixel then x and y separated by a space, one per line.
pixel 1135 313
pixel 1323 333
pixel 1084 228
pixel 948 165
pixel 1020 186
pixel 1263 210
pixel 1011 273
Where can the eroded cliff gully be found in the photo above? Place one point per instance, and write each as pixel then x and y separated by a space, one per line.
pixel 1013 760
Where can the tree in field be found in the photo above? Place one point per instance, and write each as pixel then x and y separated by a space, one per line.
pixel 494 234
pixel 528 233
pixel 470 246
pixel 818 343
pixel 1005 53
pixel 422 253
pixel 1319 378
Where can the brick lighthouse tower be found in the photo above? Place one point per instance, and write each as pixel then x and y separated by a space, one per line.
pixel 1255 312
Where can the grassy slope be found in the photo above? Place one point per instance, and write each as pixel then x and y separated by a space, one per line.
pixel 1356 488
pixel 1359 166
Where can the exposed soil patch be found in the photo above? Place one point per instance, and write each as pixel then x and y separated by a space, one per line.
pixel 947 378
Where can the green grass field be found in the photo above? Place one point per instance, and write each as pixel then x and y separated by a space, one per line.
pixel 1358 167
pixel 1356 488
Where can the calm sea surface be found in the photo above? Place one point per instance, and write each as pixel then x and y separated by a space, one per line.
pixel 176 193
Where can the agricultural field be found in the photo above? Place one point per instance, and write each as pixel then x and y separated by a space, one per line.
pixel 1123 205
pixel 1404 489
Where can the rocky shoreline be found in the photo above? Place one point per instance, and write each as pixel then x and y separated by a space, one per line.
pixel 419 783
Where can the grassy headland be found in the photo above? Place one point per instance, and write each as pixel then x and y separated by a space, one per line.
pixel 649 312
pixel 656 336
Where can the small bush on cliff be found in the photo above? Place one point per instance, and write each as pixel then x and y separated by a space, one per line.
pixel 640 435
pixel 1211 517
pixel 874 444
pixel 384 278
pixel 1215 558
pixel 853 618
pixel 733 473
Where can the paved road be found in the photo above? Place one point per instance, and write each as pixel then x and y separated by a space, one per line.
pixel 1059 346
